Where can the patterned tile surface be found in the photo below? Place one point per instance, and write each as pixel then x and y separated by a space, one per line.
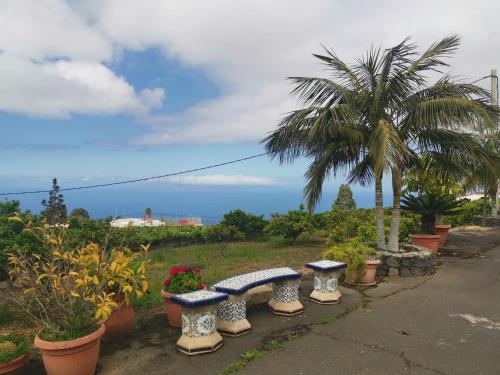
pixel 199 298
pixel 324 283
pixel 201 324
pixel 286 292
pixel 326 265
pixel 239 284
pixel 232 311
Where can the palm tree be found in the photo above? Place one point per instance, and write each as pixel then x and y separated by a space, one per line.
pixel 376 116
pixel 147 213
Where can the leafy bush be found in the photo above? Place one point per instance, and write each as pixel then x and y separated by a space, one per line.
pixel 354 253
pixel 67 292
pixel 13 346
pixel 183 279
pixel 246 223
pixel 223 235
pixel 12 234
pixel 469 210
pixel 289 226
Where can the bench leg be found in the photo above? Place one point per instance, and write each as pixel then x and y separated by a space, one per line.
pixel 325 288
pixel 231 314
pixel 285 299
pixel 199 334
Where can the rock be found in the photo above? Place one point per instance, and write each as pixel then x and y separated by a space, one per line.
pixel 259 294
pixel 405 272
pixel 393 272
pixel 307 273
pixel 392 262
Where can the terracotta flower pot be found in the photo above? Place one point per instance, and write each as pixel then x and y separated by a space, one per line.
pixel 442 230
pixel 172 310
pixel 368 275
pixel 75 357
pixel 119 323
pixel 10 368
pixel 430 241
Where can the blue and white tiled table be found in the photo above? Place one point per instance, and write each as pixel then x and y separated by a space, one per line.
pixel 325 281
pixel 199 321
pixel 285 301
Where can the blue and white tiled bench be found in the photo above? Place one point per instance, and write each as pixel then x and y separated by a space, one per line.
pixel 199 321
pixel 325 281
pixel 232 319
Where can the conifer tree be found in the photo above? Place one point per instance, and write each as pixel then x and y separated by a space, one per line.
pixel 344 199
pixel 55 211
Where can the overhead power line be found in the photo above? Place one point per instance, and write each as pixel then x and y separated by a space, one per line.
pixel 139 179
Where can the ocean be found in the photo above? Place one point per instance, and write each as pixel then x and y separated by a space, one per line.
pixel 209 204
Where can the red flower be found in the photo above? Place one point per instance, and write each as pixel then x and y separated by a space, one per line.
pixel 166 283
pixel 197 270
pixel 174 271
pixel 201 286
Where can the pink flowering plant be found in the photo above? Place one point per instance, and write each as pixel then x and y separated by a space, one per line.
pixel 183 279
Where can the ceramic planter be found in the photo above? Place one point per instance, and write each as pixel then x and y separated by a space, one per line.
pixel 172 310
pixel 429 241
pixel 75 357
pixel 442 230
pixel 368 275
pixel 10 368
pixel 119 323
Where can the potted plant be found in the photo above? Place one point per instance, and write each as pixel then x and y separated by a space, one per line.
pixel 429 206
pixel 124 275
pixel 362 261
pixel 64 294
pixel 181 279
pixel 13 353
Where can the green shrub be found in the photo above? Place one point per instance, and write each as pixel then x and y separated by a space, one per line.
pixel 469 210
pixel 13 346
pixel 223 235
pixel 354 253
pixel 248 224
pixel 12 236
pixel 289 226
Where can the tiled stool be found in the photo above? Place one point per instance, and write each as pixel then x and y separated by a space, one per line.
pixel 325 281
pixel 199 321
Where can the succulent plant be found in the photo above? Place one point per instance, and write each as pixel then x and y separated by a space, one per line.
pixel 7 347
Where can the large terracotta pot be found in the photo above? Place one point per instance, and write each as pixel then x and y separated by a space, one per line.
pixel 430 241
pixel 119 323
pixel 75 357
pixel 442 230
pixel 368 275
pixel 172 310
pixel 10 368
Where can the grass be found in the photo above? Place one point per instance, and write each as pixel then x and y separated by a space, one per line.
pixel 239 257
pixel 250 356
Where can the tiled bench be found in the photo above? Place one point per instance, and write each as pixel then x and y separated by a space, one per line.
pixel 325 281
pixel 285 301
pixel 199 321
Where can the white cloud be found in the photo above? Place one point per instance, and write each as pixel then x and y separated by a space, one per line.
pixel 249 47
pixel 52 65
pixel 246 47
pixel 221 179
pixel 60 88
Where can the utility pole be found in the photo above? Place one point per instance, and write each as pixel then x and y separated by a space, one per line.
pixel 494 102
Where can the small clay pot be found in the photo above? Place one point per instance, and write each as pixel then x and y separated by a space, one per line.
pixel 75 357
pixel 368 275
pixel 442 230
pixel 119 323
pixel 11 368
pixel 429 241
pixel 172 310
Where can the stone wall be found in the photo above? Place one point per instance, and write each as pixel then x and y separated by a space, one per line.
pixel 489 221
pixel 410 261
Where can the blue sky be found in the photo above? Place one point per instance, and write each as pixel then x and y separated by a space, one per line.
pixel 100 91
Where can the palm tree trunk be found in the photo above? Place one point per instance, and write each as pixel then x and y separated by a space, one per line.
pixel 396 210
pixel 379 213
